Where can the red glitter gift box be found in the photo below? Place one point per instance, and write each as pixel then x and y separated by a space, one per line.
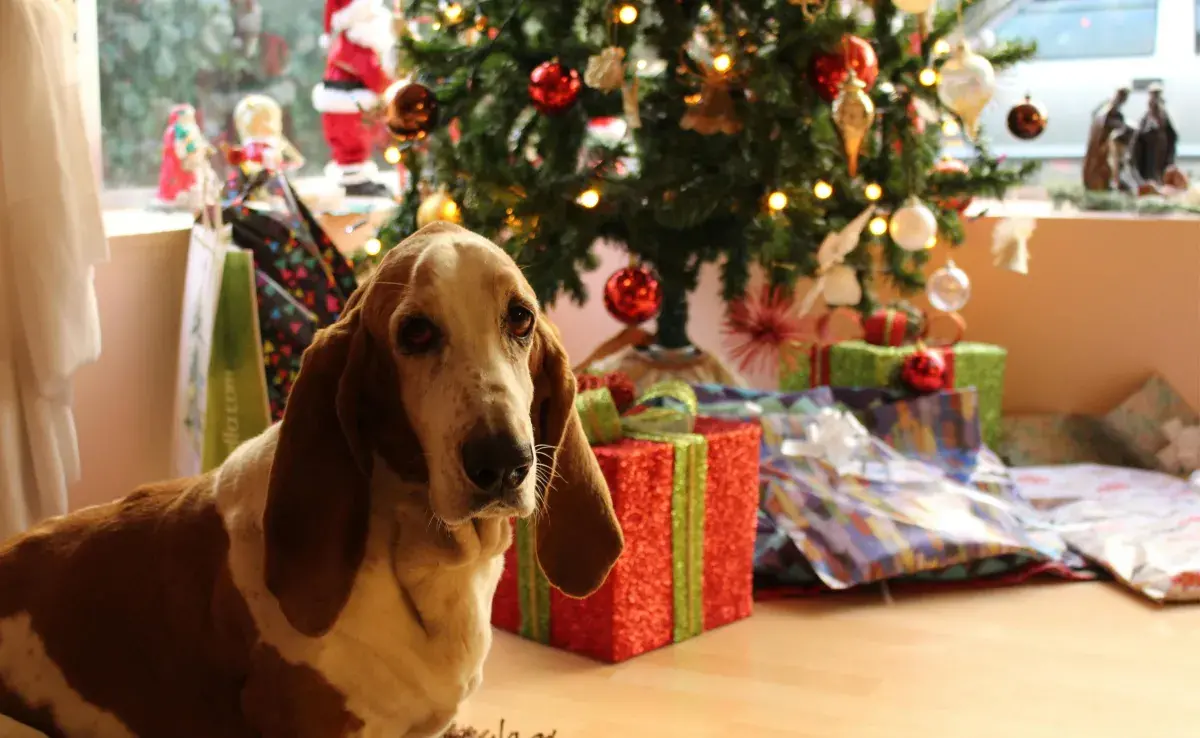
pixel 688 507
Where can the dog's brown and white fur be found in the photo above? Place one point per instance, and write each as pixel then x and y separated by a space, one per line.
pixel 334 576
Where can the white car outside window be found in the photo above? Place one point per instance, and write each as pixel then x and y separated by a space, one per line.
pixel 1086 50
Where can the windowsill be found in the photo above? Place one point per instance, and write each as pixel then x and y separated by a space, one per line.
pixel 133 222
pixel 125 215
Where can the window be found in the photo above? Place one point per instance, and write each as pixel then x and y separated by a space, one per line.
pixel 1084 29
pixel 154 54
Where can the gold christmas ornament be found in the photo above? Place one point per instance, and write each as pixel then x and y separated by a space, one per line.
pixel 714 111
pixel 853 114
pixel 629 104
pixel 967 84
pixel 807 6
pixel 438 206
pixel 606 70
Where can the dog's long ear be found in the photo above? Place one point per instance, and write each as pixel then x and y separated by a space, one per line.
pixel 578 537
pixel 318 500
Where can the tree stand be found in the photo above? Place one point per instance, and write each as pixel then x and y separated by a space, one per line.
pixel 667 355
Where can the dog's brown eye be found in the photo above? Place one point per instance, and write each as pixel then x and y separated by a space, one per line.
pixel 418 334
pixel 520 320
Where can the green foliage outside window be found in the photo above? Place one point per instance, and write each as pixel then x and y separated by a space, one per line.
pixel 159 53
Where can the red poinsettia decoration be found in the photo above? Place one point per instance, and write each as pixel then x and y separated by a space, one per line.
pixel 756 329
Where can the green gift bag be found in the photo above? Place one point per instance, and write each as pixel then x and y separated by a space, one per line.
pixel 236 406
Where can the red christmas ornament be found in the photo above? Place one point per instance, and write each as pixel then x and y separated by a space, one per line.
pixel 953 166
pixel 827 70
pixel 633 295
pixel 553 88
pixel 924 371
pixel 1027 120
pixel 412 113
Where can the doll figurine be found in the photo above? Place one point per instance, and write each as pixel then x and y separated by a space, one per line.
pixel 185 155
pixel 1106 157
pixel 1154 146
pixel 259 123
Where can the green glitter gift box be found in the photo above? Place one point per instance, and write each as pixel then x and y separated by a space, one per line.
pixel 687 500
pixel 861 364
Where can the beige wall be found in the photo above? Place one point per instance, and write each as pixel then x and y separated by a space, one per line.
pixel 1107 302
pixel 124 402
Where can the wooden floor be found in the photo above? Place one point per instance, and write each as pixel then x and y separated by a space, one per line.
pixel 1079 660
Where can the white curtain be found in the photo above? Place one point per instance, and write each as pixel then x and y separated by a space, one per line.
pixel 51 236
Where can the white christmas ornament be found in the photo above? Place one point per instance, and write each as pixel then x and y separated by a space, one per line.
pixel 913 226
pixel 916 7
pixel 842 287
pixel 1182 453
pixel 948 288
pixel 833 252
pixel 967 84
pixel 1010 244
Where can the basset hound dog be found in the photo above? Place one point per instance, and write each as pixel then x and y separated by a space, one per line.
pixel 334 577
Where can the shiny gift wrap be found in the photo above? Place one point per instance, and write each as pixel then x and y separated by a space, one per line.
pixel 685 490
pixel 860 364
pixel 1142 526
pixel 860 512
pixel 1138 422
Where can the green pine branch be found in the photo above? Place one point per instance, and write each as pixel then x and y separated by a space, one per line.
pixel 690 199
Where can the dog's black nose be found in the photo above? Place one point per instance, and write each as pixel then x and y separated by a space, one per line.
pixel 496 463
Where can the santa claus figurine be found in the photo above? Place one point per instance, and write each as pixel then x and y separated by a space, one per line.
pixel 361 41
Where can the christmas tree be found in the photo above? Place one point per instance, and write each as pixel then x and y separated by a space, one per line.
pixel 753 129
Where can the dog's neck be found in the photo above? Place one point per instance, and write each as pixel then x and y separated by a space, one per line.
pixel 416 628
pixel 420 542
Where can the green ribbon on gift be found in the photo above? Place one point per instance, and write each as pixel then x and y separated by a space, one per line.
pixel 666 413
pixel 667 407
pixel 534 587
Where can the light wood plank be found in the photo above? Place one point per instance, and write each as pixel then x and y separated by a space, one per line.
pixel 1083 660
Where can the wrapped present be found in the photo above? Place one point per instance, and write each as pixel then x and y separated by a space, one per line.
pixel 859 512
pixel 1054 438
pixel 1141 422
pixel 861 364
pixel 943 429
pixel 1142 526
pixel 685 490
pixel 619 385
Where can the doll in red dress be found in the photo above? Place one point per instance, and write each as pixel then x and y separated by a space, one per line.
pixel 361 41
pixel 185 155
